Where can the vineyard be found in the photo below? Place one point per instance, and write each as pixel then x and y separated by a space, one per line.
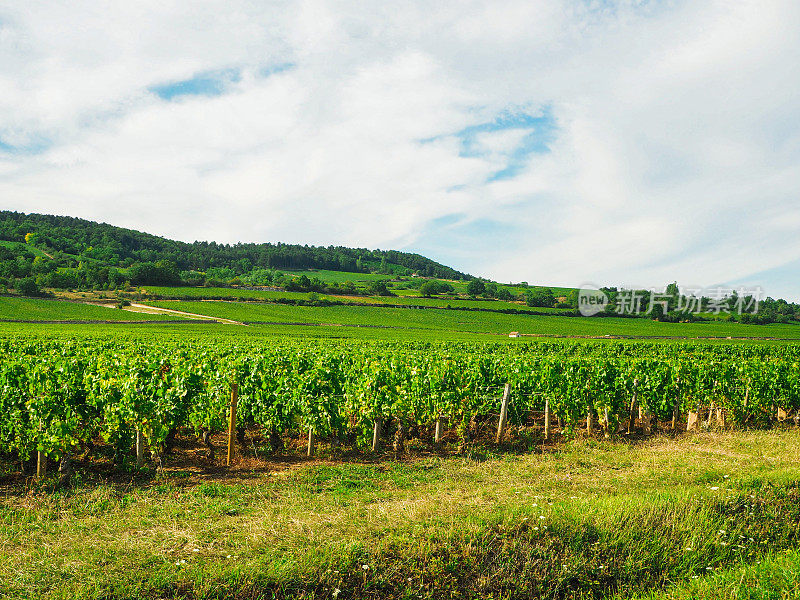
pixel 56 395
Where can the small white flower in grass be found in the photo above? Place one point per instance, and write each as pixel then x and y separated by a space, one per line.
pixel 726 476
pixel 689 549
pixel 228 556
pixel 536 529
pixel 534 504
pixel 196 550
pixel 722 531
pixel 541 516
pixel 695 576
pixel 365 567
pixel 715 488
pixel 709 568
pixel 336 592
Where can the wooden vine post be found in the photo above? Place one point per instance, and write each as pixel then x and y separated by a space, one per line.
pixel 632 411
pixel 547 419
pixel 41 464
pixel 310 447
pixel 589 422
pixel 720 417
pixel 376 434
pixel 139 449
pixel 692 421
pixel 232 422
pixel 41 460
pixel 437 436
pixel 501 424
pixel 676 411
pixel 746 400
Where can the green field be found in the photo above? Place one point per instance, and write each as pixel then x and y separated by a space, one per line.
pixel 705 516
pixel 691 517
pixel 35 309
pixel 371 322
pixel 339 276
pixel 403 298
pixel 221 292
pixel 402 319
pixel 20 247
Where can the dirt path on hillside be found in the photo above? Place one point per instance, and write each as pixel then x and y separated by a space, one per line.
pixel 153 310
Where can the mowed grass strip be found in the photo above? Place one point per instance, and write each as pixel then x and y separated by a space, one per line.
pixel 38 309
pixel 477 322
pixel 589 520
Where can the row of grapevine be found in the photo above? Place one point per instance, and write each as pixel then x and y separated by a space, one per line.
pixel 57 394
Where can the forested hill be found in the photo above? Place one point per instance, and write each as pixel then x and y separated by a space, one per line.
pixel 111 246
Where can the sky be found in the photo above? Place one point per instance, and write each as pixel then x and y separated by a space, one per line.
pixel 557 142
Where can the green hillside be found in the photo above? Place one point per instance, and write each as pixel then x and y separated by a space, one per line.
pixel 143 258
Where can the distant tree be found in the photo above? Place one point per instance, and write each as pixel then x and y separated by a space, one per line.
pixel 504 294
pixel 379 288
pixel 658 311
pixel 540 297
pixel 475 287
pixel 28 287
pixel 429 288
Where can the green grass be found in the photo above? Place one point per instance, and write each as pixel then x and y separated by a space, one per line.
pixel 403 298
pixel 339 276
pixel 775 575
pixel 37 309
pixel 588 520
pixel 20 246
pixel 216 292
pixel 474 322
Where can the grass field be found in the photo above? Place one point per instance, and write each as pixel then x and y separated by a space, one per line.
pixel 339 276
pixel 699 516
pixel 403 319
pixel 217 292
pixel 369 322
pixel 404 298
pixel 19 246
pixel 35 309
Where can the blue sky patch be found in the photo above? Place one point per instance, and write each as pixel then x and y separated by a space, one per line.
pixel 539 133
pixel 274 69
pixel 210 83
pixel 36 145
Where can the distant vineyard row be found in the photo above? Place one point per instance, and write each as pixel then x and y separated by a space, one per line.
pixel 57 395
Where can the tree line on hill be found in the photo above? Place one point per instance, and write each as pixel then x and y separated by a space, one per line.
pixel 45 251
pixel 74 253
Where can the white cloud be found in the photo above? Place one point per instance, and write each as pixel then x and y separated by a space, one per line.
pixel 675 153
